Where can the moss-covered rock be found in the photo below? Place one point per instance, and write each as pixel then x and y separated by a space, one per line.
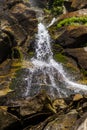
pixel 73 21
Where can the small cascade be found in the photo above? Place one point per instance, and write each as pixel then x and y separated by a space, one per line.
pixel 46 72
pixel 52 22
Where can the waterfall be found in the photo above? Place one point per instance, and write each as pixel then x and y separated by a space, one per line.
pixel 52 22
pixel 46 72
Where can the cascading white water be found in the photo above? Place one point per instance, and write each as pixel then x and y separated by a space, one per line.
pixel 52 22
pixel 47 73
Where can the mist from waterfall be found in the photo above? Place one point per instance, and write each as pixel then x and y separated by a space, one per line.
pixel 47 74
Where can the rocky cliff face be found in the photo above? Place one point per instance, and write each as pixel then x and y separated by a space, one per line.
pixel 18 26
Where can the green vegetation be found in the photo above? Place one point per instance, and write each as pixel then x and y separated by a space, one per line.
pixel 84 72
pixel 31 54
pixel 72 21
pixel 66 63
pixel 60 58
pixel 56 6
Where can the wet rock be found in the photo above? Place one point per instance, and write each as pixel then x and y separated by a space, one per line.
pixel 18 25
pixel 8 121
pixel 32 111
pixel 73 36
pixel 80 56
pixel 56 122
pixel 39 103
pixel 63 122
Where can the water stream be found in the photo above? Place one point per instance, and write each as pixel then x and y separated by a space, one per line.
pixel 46 73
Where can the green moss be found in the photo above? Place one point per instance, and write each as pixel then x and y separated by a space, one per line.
pixel 84 72
pixel 60 58
pixel 72 21
pixel 31 54
pixel 47 11
pixel 66 63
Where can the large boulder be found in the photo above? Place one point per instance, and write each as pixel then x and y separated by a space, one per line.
pixel 73 37
pixel 80 56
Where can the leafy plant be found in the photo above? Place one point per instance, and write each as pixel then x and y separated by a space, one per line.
pixel 56 6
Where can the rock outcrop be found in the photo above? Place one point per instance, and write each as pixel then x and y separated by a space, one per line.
pixel 78 4
pixel 71 36
pixel 8 121
pixel 80 55
pixel 42 113
pixel 18 25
